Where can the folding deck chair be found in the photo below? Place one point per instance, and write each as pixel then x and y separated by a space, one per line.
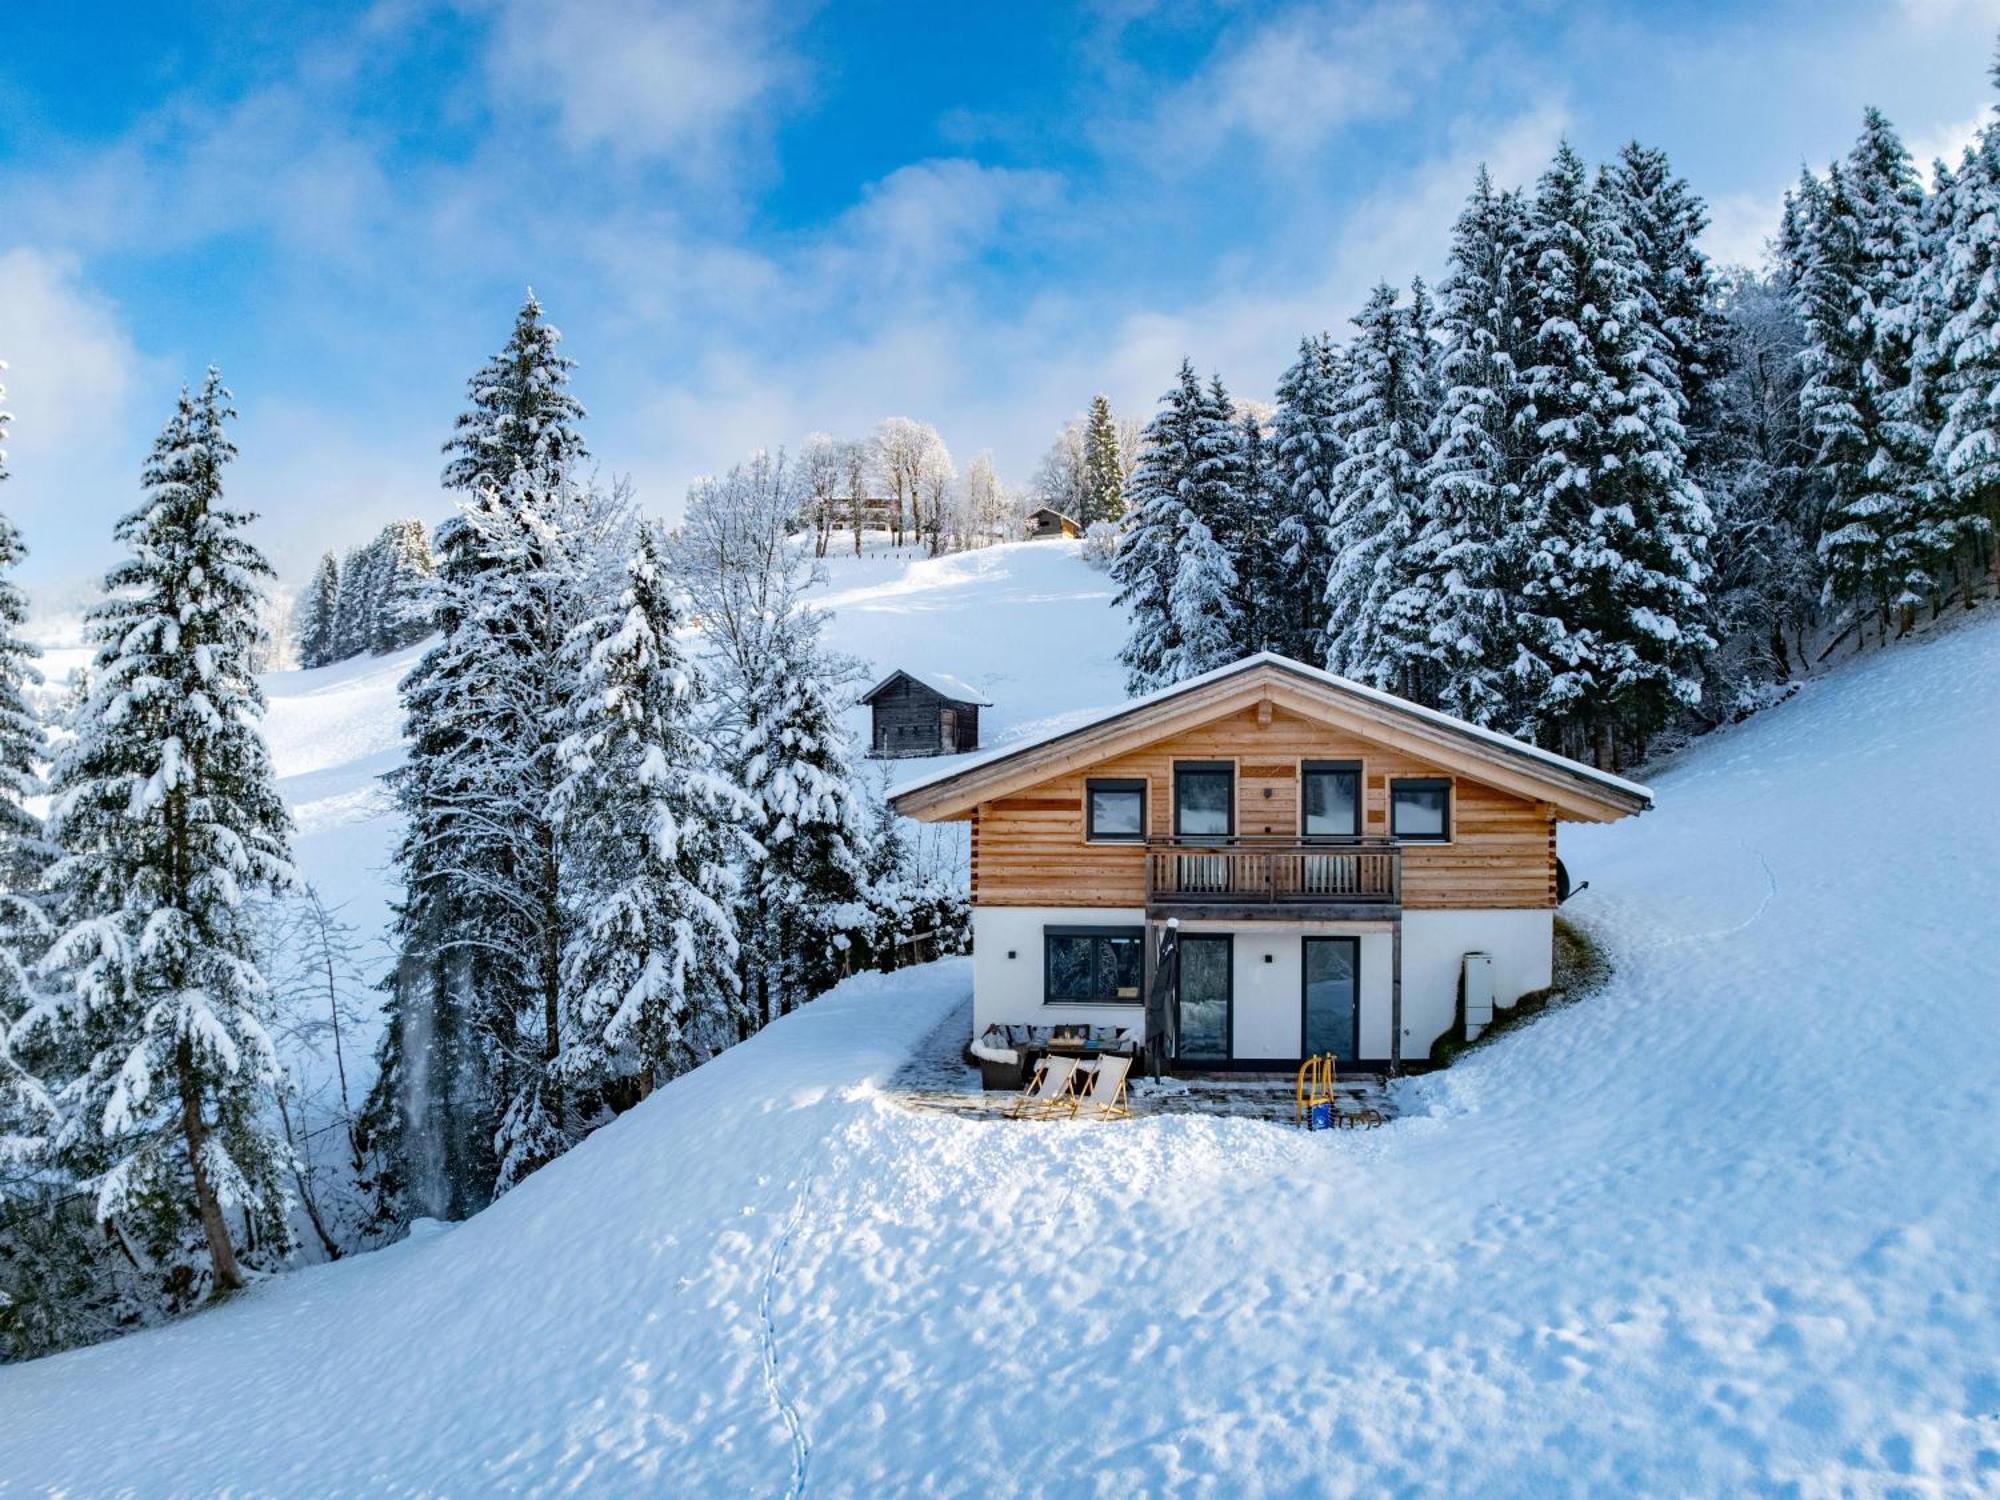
pixel 1050 1090
pixel 1104 1099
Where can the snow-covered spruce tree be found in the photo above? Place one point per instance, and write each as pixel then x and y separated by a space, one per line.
pixel 1204 602
pixel 1465 555
pixel 1186 508
pixel 1960 353
pixel 917 907
pixel 26 1115
pixel 318 612
pixel 467 1100
pixel 803 899
pixel 1665 219
pixel 650 968
pixel 1148 550
pixel 360 583
pixel 1614 585
pixel 1374 631
pixel 1306 452
pixel 1221 496
pixel 166 814
pixel 778 696
pixel 1260 575
pixel 1766 499
pixel 401 607
pixel 1103 468
pixel 1862 246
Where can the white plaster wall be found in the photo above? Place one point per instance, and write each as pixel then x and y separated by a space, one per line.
pixel 1434 947
pixel 1009 990
pixel 1266 1022
pixel 1378 976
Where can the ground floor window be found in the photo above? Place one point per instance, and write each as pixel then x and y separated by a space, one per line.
pixel 1332 997
pixel 1092 965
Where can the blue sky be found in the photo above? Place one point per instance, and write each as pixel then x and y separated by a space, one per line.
pixel 756 221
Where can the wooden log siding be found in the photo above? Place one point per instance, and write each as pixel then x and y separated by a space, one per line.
pixel 1028 849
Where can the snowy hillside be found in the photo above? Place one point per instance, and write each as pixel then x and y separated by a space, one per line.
pixel 1726 1228
pixel 1029 624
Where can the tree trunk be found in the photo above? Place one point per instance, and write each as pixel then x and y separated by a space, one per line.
pixel 221 1254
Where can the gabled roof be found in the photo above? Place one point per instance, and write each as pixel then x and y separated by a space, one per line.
pixel 1050 510
pixel 942 683
pixel 1576 791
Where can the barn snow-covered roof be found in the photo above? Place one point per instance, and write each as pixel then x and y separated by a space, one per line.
pixel 942 683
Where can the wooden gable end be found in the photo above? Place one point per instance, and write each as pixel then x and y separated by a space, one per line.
pixel 1029 846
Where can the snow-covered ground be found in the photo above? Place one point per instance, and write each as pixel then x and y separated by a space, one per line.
pixel 1727 1228
pixel 1030 624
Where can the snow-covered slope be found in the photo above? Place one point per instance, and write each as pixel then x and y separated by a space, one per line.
pixel 1030 624
pixel 1727 1228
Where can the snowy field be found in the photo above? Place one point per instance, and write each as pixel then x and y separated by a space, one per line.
pixel 1727 1228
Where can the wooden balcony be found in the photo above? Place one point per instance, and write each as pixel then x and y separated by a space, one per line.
pixel 1250 878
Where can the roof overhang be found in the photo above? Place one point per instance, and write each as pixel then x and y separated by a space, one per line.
pixel 1575 792
pixel 948 688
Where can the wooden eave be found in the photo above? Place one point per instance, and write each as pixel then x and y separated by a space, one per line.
pixel 1573 792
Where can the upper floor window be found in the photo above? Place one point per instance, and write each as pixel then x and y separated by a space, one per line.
pixel 1114 811
pixel 1420 809
pixel 1332 799
pixel 1204 799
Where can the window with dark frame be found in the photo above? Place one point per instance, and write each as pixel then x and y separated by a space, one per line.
pixel 1420 810
pixel 1331 800
pixel 1092 965
pixel 1114 811
pixel 1204 799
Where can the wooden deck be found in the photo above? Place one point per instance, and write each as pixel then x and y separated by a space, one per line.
pixel 935 1079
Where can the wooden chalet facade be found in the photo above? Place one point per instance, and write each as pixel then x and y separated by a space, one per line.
pixel 934 714
pixel 1265 863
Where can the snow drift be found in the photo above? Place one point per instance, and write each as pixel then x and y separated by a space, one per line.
pixel 1727 1227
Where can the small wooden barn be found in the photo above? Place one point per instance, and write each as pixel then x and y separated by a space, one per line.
pixel 935 714
pixel 1048 522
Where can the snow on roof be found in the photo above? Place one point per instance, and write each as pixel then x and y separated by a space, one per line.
pixel 941 683
pixel 1458 726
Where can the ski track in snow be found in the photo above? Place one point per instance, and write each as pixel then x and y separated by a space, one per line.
pixel 773 1273
pixel 1725 1228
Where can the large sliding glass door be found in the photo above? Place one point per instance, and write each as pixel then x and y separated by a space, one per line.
pixel 1332 1000
pixel 1206 960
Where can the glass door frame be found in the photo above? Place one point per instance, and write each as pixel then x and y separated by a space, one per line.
pixel 1228 1053
pixel 1305 989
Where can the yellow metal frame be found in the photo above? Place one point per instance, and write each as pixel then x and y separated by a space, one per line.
pixel 1315 1084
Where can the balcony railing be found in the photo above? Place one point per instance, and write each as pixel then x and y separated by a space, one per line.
pixel 1274 872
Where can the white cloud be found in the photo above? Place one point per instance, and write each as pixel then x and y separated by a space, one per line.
pixel 1004 379
pixel 1946 142
pixel 73 384
pixel 1291 82
pixel 72 367
pixel 1741 227
pixel 645 78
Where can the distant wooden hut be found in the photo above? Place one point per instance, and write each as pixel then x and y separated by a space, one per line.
pixel 1048 523
pixel 934 714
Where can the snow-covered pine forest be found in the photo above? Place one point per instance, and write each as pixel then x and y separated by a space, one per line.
pixel 1594 489
pixel 1590 489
